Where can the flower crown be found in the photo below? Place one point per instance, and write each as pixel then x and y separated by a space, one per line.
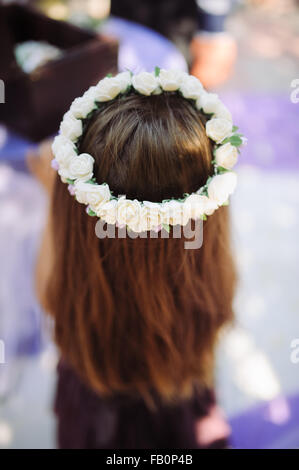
pixel 77 169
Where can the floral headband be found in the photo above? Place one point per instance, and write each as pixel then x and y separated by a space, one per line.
pixel 138 216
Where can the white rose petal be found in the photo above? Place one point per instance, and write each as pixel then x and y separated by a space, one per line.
pixel 82 106
pixel 91 93
pixel 81 167
pixel 145 83
pixel 58 141
pixel 173 213
pixel 223 113
pixel 107 89
pixel 95 195
pixel 64 153
pixel 71 128
pixel 218 129
pixel 170 80
pixel 221 187
pixel 226 156
pixel 108 211
pixel 125 80
pixel 152 214
pixel 128 211
pixel 64 174
pixel 197 205
pixel 209 103
pixel 191 88
pixel 158 91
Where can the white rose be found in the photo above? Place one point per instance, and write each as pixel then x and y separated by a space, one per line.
pixel 170 80
pixel 64 174
pixel 64 153
pixel 95 195
pixel 221 187
pixel 173 213
pixel 82 106
pixel 128 211
pixel 71 128
pixel 108 211
pixel 125 80
pixel 209 103
pixel 58 141
pixel 226 156
pixel 191 88
pixel 91 93
pixel 218 129
pixel 145 83
pixel 197 205
pixel 81 167
pixel 223 113
pixel 107 89
pixel 152 215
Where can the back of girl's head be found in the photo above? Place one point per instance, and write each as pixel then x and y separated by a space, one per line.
pixel 141 315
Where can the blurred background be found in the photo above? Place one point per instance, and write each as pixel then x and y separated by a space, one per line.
pixel 245 50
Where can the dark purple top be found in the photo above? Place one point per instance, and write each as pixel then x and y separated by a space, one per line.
pixel 87 421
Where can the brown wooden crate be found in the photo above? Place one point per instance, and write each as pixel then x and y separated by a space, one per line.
pixel 36 102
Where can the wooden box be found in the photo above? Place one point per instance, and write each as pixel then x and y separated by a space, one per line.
pixel 35 102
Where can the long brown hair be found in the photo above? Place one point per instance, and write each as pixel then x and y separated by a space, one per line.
pixel 142 315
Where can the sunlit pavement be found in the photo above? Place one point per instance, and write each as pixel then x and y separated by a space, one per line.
pixel 257 382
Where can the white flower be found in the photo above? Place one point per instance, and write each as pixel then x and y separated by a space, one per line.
pixel 91 93
pixel 95 195
pixel 64 174
pixel 226 156
pixel 197 205
pixel 152 216
pixel 82 106
pixel 64 153
pixel 71 128
pixel 128 211
pixel 58 141
pixel 173 213
pixel 81 167
pixel 191 88
pixel 107 89
pixel 108 211
pixel 125 80
pixel 223 113
pixel 145 83
pixel 209 103
pixel 221 187
pixel 170 80
pixel 218 129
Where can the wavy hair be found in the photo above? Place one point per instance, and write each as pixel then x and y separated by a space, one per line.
pixel 141 316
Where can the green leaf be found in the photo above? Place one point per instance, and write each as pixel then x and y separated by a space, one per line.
pixel 128 70
pixel 235 140
pixel 92 181
pixel 157 71
pixel 70 181
pixel 166 227
pixel 221 169
pixel 91 212
pixel 235 128
pixel 203 217
pixel 226 203
pixel 109 75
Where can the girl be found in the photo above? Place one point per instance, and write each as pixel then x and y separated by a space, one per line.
pixel 137 318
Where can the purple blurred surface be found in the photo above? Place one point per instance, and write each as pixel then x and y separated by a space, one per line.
pixel 274 424
pixel 141 48
pixel 270 122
